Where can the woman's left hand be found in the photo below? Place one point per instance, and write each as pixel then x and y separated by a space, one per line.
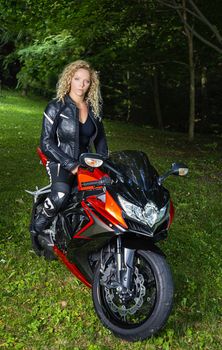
pixel 74 171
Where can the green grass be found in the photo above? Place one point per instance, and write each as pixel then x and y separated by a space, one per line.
pixel 43 306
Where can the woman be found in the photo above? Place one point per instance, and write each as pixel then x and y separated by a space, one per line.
pixel 71 124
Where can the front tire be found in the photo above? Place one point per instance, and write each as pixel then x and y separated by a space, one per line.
pixel 156 306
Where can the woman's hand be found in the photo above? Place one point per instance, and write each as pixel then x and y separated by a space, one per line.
pixel 74 171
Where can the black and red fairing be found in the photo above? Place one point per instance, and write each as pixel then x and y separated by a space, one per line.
pixel 140 185
pixel 104 215
pixel 42 156
pixel 93 233
pixel 104 204
pixel 103 219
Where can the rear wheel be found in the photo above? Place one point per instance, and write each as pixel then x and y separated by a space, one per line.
pixel 142 312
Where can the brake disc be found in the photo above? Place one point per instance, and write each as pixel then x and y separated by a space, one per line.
pixel 137 299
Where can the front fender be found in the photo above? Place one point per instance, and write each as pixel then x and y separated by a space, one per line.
pixel 135 241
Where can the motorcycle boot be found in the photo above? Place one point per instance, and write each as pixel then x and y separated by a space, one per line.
pixel 52 204
pixel 45 217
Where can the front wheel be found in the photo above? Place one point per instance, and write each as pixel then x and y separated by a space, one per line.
pixel 145 310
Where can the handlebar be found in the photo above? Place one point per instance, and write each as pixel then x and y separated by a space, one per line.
pixel 105 181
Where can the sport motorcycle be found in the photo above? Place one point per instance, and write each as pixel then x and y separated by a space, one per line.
pixel 106 236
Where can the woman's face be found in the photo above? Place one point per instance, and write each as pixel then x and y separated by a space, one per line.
pixel 80 83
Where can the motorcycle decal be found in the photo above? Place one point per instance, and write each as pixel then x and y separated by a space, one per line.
pixel 113 209
pixel 90 223
pixel 110 211
pixel 99 221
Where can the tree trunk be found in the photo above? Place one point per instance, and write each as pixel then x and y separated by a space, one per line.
pixel 24 91
pixel 204 97
pixel 156 96
pixel 189 35
pixel 128 96
pixel 192 88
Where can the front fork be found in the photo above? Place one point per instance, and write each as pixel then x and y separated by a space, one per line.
pixel 125 268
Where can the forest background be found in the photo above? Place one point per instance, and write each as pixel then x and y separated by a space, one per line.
pixel 159 61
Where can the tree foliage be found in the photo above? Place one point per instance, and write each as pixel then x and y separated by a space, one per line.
pixel 139 47
pixel 43 59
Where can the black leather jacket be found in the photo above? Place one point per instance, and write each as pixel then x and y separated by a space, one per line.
pixel 60 133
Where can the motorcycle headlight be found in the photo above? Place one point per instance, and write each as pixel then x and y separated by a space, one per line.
pixel 148 215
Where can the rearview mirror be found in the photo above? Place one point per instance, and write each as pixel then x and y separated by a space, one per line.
pixel 179 169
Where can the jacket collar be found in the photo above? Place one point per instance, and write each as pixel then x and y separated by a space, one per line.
pixel 68 99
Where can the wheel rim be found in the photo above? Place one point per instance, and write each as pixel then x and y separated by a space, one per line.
pixel 137 308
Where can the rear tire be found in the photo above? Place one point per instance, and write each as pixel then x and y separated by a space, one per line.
pixel 157 302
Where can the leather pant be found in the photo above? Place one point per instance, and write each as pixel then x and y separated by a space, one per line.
pixel 62 182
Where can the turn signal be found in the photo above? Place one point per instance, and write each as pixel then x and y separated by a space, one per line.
pixel 95 163
pixel 183 171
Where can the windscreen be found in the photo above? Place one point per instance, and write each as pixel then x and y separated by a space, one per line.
pixel 136 167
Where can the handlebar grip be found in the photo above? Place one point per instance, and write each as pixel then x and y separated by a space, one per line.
pixel 104 181
pixel 90 183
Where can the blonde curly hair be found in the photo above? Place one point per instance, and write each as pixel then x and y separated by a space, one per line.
pixel 93 95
